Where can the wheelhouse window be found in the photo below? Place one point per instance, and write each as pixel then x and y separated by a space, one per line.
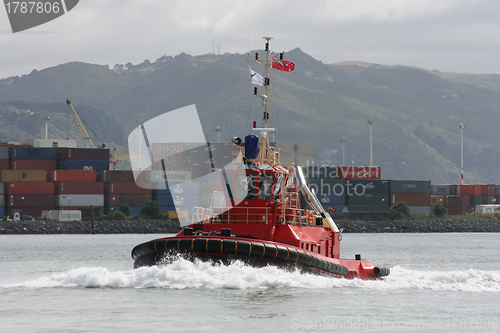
pixel 266 181
pixel 246 186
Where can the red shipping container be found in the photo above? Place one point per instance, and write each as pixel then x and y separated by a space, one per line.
pixel 4 165
pixel 29 188
pixel 79 188
pixel 411 199
pixel 48 165
pixel 487 189
pixel 82 153
pixel 34 211
pixel 453 211
pixel 457 201
pixel 130 199
pixel 465 189
pixel 35 200
pixel 360 172
pixel 125 188
pixel 118 176
pixel 74 176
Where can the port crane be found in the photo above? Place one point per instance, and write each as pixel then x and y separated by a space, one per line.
pixel 83 131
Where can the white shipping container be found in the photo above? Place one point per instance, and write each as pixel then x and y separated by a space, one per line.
pixel 419 210
pixel 62 215
pixel 487 209
pixel 80 200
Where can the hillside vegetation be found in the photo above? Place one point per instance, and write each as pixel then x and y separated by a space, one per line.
pixel 415 112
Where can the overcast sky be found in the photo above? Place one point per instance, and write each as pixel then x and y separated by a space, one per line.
pixel 448 35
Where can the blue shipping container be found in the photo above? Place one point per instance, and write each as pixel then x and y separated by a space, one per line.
pixel 83 164
pixel 331 199
pixel 32 153
pixel 2 212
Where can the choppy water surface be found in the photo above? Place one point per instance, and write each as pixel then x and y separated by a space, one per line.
pixel 85 283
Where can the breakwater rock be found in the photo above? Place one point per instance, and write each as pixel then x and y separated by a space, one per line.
pixel 409 226
pixel 85 227
pixel 173 226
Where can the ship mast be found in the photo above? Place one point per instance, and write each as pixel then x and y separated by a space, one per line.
pixel 266 153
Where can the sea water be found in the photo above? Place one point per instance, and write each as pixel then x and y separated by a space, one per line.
pixel 86 283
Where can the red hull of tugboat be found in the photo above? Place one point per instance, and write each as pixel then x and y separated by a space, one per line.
pixel 225 247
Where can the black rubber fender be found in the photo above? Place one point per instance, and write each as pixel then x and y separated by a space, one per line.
pixel 381 271
pixel 283 253
pixel 302 257
pixel 293 255
pixel 199 245
pixel 214 245
pixel 185 245
pixel 271 251
pixel 229 246
pixel 172 245
pixel 244 248
pixel 257 250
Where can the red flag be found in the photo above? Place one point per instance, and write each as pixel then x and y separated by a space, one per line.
pixel 283 65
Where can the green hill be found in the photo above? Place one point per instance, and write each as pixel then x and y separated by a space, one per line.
pixel 415 112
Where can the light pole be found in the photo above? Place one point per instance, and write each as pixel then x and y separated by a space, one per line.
pixel 46 119
pixel 343 149
pixel 218 130
pixel 462 126
pixel 370 122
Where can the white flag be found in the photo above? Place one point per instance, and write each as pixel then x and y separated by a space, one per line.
pixel 257 79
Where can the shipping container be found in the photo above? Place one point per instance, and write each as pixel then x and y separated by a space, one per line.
pixel 488 199
pixel 83 153
pixel 326 185
pixel 331 199
pixel 24 200
pixel 2 200
pixel 497 190
pixel 419 210
pixel 185 188
pixel 465 189
pixel 2 188
pixel 34 211
pixel 62 215
pixel 321 172
pixel 126 188
pixel 4 164
pixel 487 189
pixel 79 200
pixel 457 201
pixel 79 188
pixel 74 176
pixel 2 212
pixel 130 199
pixel 32 153
pixel 454 211
pixel 368 186
pixel 23 175
pixel 163 199
pixel 411 199
pixel 487 209
pixel 40 164
pixel 364 212
pixel 4 153
pixel 118 176
pixel 475 200
pixel 410 186
pixel 29 188
pixel 368 199
pixel 438 200
pixel 440 189
pixel 360 172
pixel 83 164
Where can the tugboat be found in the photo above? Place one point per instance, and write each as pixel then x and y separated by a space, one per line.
pixel 260 221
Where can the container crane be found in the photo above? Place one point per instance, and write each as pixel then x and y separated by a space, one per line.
pixel 83 131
